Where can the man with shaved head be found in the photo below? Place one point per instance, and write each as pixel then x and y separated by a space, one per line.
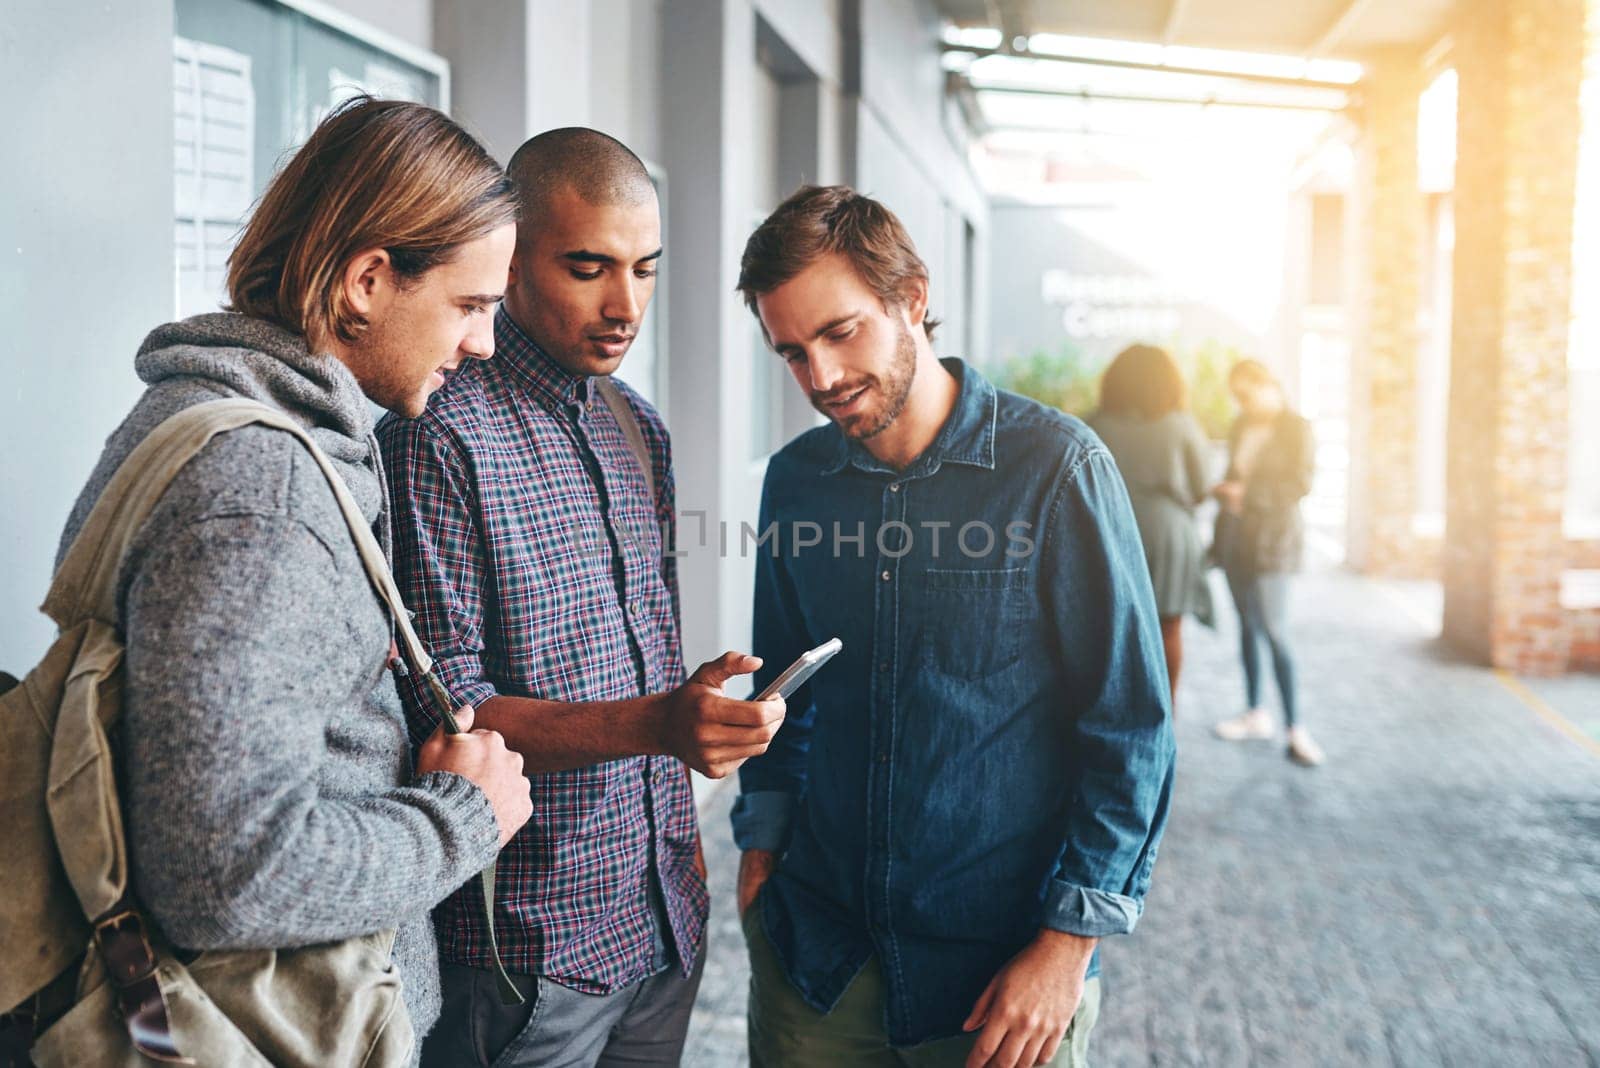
pixel 533 496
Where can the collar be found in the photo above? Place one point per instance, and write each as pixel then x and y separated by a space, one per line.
pixel 967 436
pixel 544 379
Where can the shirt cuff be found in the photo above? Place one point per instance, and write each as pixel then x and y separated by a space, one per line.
pixel 1089 913
pixel 422 718
pixel 761 820
pixel 474 694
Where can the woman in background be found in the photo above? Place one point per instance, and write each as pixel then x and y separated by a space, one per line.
pixel 1259 540
pixel 1144 420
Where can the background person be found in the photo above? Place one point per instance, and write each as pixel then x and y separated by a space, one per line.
pixel 1163 455
pixel 1260 537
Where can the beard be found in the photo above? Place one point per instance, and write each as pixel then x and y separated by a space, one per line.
pixel 385 368
pixel 893 387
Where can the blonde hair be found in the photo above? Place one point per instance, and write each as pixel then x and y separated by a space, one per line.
pixel 374 174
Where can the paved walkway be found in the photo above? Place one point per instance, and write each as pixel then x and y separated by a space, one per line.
pixel 1431 896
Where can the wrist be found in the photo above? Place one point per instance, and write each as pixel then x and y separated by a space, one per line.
pixel 1070 949
pixel 654 725
pixel 758 860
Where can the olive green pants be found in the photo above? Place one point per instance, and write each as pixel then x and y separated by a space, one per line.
pixel 785 1032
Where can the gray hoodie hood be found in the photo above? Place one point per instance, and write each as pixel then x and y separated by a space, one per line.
pixel 245 357
pixel 224 354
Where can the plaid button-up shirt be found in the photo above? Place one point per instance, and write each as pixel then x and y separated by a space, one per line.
pixel 531 552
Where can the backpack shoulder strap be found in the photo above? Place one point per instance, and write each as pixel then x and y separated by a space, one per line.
pixel 84 586
pixel 630 429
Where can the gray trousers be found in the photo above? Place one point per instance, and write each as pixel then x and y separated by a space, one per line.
pixel 557 1027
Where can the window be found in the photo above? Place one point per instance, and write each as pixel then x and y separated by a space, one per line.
pixel 251 79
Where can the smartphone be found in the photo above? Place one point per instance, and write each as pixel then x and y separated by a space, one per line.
pixel 796 674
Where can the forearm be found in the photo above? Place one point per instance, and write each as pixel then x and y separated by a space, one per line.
pixel 318 869
pixel 1110 840
pixel 1120 750
pixel 561 735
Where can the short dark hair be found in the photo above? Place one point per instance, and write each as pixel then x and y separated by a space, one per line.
pixel 1143 380
pixel 596 166
pixel 822 220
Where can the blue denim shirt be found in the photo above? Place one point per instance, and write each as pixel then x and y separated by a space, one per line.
pixel 991 752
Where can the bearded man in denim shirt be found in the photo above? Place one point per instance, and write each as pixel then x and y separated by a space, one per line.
pixel 969 796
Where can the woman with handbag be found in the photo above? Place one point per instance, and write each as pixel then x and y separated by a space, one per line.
pixel 1144 420
pixel 1259 540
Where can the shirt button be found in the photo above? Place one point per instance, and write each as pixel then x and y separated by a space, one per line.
pixel 883 758
pixel 885 576
pixel 894 487
pixel 633 609
pixel 884 666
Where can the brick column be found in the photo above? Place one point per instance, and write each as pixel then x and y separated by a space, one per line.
pixel 1520 64
pixel 1384 393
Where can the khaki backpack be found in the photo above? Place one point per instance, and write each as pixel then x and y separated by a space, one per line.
pixel 87 978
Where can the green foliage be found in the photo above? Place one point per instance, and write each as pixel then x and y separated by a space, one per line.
pixel 1068 380
pixel 1205 368
pixel 1064 379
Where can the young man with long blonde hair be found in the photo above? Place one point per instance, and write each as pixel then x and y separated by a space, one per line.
pixel 267 781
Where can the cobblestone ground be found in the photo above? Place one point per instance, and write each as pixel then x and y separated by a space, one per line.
pixel 1430 896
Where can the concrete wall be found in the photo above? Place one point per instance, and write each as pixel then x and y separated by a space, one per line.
pixel 409 20
pixel 909 156
pixel 86 264
pixel 625 73
pixel 488 94
pixel 1521 65
pixel 522 67
pixel 707 107
pixel 1383 488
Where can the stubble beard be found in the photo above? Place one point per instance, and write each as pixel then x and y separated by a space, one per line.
pixel 894 386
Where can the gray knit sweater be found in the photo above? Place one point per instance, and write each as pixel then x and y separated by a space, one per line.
pixel 265 767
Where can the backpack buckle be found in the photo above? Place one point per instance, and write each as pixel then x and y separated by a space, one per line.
pixel 125 947
pixel 130 961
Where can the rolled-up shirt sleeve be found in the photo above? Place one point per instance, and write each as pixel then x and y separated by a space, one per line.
pixel 440 564
pixel 761 819
pixel 1120 738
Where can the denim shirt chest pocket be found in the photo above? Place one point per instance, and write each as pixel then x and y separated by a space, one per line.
pixel 973 620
